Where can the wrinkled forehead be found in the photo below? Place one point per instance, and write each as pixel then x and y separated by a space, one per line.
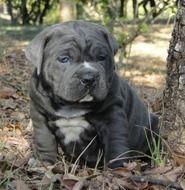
pixel 82 39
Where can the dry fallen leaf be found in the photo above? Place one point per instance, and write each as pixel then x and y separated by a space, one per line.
pixel 72 182
pixel 69 183
pixel 120 182
pixel 21 142
pixel 158 170
pixel 20 185
pixel 46 181
pixel 174 174
pixel 6 92
pixel 18 116
pixel 155 187
pixel 126 171
pixel 178 158
pixel 22 161
pixel 132 165
pixel 182 183
pixel 58 169
pixel 79 185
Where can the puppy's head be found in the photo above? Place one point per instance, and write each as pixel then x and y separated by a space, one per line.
pixel 75 59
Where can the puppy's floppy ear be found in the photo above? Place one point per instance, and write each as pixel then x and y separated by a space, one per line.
pixel 112 41
pixel 34 51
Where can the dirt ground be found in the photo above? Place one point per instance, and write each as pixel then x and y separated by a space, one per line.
pixel 144 68
pixel 147 61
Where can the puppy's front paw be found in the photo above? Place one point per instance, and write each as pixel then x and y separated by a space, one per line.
pixel 34 163
pixel 116 164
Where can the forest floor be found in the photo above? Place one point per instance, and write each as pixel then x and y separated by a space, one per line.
pixel 145 69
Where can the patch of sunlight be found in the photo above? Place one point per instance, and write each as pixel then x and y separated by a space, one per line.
pixel 153 80
pixel 5 16
pixel 164 34
pixel 129 73
pixel 24 43
pixel 14 28
pixel 149 49
pixel 137 77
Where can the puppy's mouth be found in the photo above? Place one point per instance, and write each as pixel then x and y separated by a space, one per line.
pixel 87 98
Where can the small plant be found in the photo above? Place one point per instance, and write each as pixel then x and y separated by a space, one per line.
pixel 143 27
pixel 156 155
pixel 8 175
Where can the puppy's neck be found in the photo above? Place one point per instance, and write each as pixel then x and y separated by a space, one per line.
pixel 71 111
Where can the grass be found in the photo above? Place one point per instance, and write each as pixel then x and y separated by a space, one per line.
pixel 156 156
pixel 8 175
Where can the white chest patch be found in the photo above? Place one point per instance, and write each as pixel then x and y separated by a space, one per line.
pixel 72 128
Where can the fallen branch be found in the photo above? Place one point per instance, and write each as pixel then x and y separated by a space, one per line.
pixel 144 179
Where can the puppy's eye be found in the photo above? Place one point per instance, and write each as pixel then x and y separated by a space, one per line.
pixel 64 59
pixel 101 57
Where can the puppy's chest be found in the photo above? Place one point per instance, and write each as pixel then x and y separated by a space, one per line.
pixel 72 128
pixel 72 125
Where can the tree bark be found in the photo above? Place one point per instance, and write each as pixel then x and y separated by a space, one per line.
pixel 173 125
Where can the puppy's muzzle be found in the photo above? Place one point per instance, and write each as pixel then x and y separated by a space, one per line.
pixel 89 79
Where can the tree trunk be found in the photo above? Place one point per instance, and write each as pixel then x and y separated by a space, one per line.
pixel 67 10
pixel 24 12
pixel 135 8
pixel 44 11
pixel 125 9
pixel 173 125
pixel 121 8
pixel 153 6
pixel 10 10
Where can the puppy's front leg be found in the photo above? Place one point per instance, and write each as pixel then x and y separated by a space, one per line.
pixel 117 141
pixel 112 129
pixel 44 141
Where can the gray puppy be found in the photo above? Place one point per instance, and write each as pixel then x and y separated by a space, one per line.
pixel 79 102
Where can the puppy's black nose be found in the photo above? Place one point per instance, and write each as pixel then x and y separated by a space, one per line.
pixel 89 79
